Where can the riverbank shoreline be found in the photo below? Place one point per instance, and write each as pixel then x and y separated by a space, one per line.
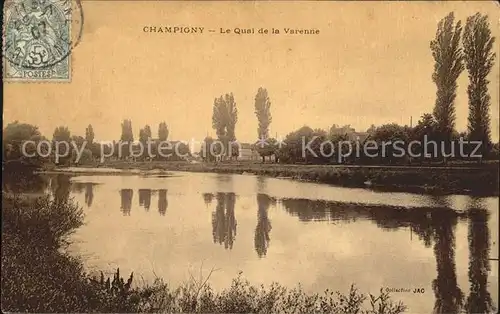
pixel 480 181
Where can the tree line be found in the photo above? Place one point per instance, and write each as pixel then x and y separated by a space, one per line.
pixel 452 52
pixel 17 133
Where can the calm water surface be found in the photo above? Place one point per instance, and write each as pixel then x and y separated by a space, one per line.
pixel 289 232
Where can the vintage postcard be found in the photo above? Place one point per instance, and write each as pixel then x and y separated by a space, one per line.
pixel 250 156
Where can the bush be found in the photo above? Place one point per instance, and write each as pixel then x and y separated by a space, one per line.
pixel 36 275
pixel 242 297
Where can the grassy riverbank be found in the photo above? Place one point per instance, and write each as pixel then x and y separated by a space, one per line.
pixel 38 276
pixel 456 179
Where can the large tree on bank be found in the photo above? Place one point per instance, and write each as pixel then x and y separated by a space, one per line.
pixel 14 135
pixel 264 118
pixel 448 65
pixel 479 59
pixel 219 117
pixel 62 135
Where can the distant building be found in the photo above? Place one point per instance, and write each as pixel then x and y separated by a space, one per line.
pixel 346 129
pixel 248 152
pixel 350 132
pixel 175 150
pixel 358 136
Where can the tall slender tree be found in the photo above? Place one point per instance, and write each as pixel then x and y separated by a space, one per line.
pixel 219 117
pixel 448 65
pixel 145 134
pixel 232 116
pixel 127 136
pixel 89 134
pixel 479 60
pixel 127 133
pixel 232 119
pixel 162 131
pixel 263 113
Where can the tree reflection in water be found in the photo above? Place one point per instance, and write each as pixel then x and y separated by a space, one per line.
pixel 224 220
pixel 60 186
pixel 162 201
pixel 479 299
pixel 145 198
pixel 89 194
pixel 449 297
pixel 21 182
pixel 208 198
pixel 87 188
pixel 433 225
pixel 126 201
pixel 262 239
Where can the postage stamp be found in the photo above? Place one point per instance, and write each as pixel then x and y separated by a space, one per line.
pixel 39 36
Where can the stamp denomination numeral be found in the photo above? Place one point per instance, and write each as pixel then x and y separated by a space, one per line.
pixel 38 40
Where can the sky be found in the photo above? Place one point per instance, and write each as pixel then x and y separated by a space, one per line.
pixel 370 64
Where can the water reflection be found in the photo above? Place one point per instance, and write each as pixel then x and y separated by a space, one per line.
pixel 208 198
pixel 417 220
pixel 24 183
pixel 89 194
pixel 479 299
pixel 126 201
pixel 261 184
pixel 87 188
pixel 434 225
pixel 145 198
pixel 449 297
pixel 60 187
pixel 307 210
pixel 224 220
pixel 162 202
pixel 262 239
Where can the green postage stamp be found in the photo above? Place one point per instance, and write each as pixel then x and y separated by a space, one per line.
pixel 39 36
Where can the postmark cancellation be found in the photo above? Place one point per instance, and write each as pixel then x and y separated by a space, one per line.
pixel 38 39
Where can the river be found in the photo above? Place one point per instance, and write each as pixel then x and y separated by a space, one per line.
pixel 289 232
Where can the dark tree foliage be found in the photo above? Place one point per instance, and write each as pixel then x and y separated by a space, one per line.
pixel 479 60
pixel 448 66
pixel 224 119
pixel 127 133
pixel 89 135
pixel 263 113
pixel 162 131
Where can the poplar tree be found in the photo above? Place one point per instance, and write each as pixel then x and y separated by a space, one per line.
pixel 479 60
pixel 263 113
pixel 448 66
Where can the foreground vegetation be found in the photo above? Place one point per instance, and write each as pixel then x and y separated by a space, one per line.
pixel 38 276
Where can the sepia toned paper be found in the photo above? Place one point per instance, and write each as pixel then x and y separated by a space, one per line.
pixel 423 230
